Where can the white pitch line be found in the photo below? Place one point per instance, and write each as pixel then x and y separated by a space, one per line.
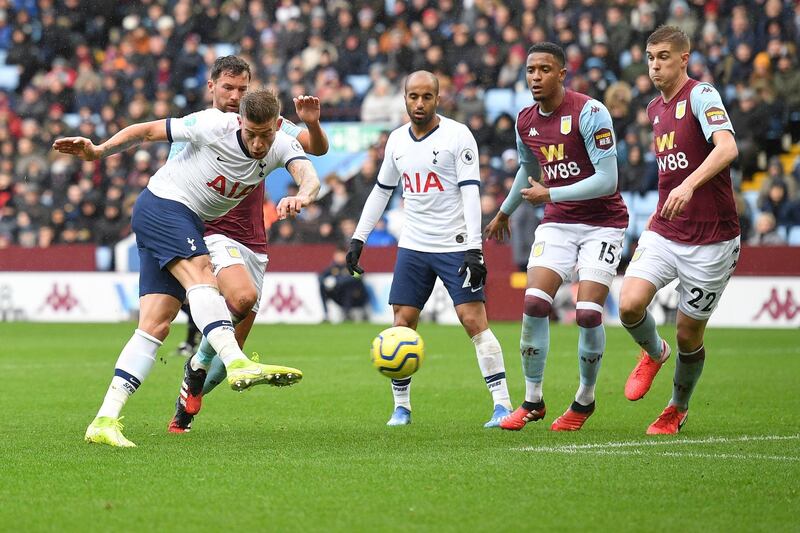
pixel 573 448
pixel 640 453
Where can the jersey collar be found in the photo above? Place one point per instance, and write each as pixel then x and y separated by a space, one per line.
pixel 242 145
pixel 411 133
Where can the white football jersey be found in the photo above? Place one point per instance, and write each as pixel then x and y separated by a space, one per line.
pixel 215 171
pixel 431 171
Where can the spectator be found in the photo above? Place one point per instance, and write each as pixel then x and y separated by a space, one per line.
pixel 347 292
pixel 775 201
pixel 766 233
pixel 751 122
pixel 632 173
pixel 382 104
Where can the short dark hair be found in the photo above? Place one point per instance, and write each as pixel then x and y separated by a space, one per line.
pixel 232 65
pixel 549 48
pixel 673 35
pixel 260 106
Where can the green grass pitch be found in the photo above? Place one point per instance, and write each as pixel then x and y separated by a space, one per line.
pixel 318 457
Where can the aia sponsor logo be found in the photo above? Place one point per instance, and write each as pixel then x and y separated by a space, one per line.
pixel 603 139
pixel 417 184
pixel 221 184
pixel 777 307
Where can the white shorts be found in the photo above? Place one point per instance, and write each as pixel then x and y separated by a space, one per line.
pixel 703 270
pixel 594 251
pixel 226 252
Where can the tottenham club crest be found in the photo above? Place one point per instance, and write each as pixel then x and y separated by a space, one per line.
pixel 566 125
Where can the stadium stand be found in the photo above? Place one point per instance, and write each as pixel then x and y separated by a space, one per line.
pixel 90 68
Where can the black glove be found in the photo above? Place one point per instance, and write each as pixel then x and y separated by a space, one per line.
pixel 474 268
pixel 353 254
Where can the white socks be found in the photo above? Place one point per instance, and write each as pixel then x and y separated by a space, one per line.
pixel 133 365
pixel 212 317
pixel 490 361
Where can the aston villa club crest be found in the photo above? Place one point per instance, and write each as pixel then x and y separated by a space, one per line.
pixel 680 109
pixel 566 125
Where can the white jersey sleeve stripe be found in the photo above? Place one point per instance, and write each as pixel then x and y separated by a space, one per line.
pixel 387 187
pixel 469 182
pixel 169 129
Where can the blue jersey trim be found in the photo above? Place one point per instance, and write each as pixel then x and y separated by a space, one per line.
pixel 169 130
pixel 424 136
pixel 387 187
pixel 469 182
pixel 294 159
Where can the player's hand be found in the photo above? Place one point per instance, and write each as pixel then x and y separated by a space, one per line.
pixel 473 269
pixel 498 227
pixel 289 206
pixel 352 257
pixel 677 201
pixel 536 193
pixel 307 108
pixel 78 146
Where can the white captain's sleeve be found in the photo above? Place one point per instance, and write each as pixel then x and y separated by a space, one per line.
pixel 202 127
pixel 388 178
pixel 469 181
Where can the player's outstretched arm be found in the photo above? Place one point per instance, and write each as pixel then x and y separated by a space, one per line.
pixel 133 135
pixel 305 176
pixel 313 139
pixel 724 153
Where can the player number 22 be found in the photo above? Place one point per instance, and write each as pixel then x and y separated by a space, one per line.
pixel 607 253
pixel 698 295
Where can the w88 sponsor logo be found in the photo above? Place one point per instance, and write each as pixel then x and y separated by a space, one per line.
pixel 562 170
pixel 672 161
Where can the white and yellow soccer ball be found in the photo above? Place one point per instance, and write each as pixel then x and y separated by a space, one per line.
pixel 397 352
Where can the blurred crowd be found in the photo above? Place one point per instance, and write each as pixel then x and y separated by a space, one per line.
pixel 91 67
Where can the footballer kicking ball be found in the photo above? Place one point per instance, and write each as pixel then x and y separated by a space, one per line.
pixel 397 352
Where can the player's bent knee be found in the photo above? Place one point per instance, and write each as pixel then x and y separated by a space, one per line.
pixel 536 306
pixel 588 318
pixel 242 302
pixel 631 310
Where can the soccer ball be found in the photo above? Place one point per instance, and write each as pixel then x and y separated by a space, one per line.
pixel 397 352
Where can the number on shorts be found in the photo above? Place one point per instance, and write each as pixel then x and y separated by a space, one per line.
pixel 698 295
pixel 607 253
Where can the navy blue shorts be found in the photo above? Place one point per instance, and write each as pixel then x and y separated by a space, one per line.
pixel 165 230
pixel 415 274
